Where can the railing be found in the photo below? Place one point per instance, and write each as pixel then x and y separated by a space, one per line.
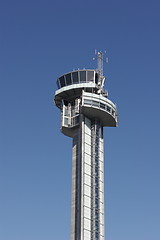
pixel 105 107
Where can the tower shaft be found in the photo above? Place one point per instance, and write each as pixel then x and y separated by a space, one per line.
pixel 87 217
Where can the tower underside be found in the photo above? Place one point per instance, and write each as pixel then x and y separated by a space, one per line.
pixel 87 218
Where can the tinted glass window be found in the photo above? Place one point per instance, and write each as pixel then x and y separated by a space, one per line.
pixel 108 109
pixel 96 78
pixel 65 121
pixel 62 81
pixel 58 83
pixel 88 102
pixel 82 76
pixel 90 76
pixel 75 77
pixel 102 105
pixel 77 120
pixel 66 112
pixel 96 104
pixel 68 79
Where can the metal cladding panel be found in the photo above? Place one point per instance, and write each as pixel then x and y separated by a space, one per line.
pixel 101 156
pixel 87 169
pixel 87 139
pixel 101 196
pixel 87 190
pixel 101 207
pixel 87 201
pixel 87 235
pixel 101 176
pixel 101 186
pixel 87 224
pixel 101 218
pixel 87 212
pixel 101 146
pixel 87 227
pixel 102 229
pixel 101 166
pixel 87 158
pixel 101 162
pixel 87 179
pixel 88 149
pixel 88 130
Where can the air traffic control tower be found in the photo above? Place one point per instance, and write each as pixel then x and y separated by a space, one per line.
pixel 85 110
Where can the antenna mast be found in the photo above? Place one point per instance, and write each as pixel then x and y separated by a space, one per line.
pixel 100 63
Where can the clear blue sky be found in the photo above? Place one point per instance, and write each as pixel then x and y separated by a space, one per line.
pixel 40 40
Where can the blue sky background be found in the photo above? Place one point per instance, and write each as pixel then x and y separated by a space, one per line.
pixel 39 41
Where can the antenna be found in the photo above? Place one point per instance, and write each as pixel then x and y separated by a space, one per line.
pixel 100 61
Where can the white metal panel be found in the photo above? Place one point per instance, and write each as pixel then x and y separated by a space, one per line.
pixel 87 179
pixel 101 218
pixel 87 148
pixel 101 139
pixel 102 229
pixel 101 146
pixel 101 156
pixel 101 207
pixel 101 237
pixel 87 169
pixel 87 224
pixel 101 175
pixel 87 159
pixel 101 166
pixel 101 186
pixel 87 201
pixel 87 212
pixel 87 235
pixel 88 129
pixel 88 139
pixel 87 126
pixel 87 190
pixel 101 196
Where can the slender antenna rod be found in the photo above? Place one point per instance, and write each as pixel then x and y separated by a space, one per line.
pixel 100 63
pixel 100 60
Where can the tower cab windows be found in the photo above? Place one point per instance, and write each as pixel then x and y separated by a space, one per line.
pixel 80 76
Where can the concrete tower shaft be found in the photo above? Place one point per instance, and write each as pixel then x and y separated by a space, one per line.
pixel 85 110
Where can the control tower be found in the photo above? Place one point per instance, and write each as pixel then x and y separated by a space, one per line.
pixel 85 110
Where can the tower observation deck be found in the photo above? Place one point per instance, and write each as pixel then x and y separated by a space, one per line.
pixel 85 110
